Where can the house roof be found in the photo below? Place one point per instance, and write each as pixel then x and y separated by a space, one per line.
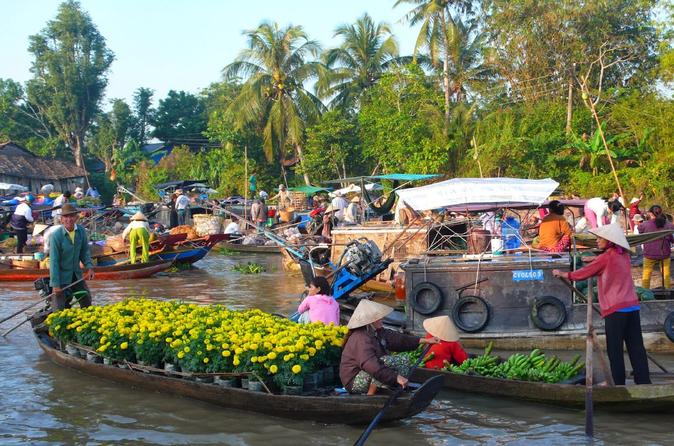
pixel 18 162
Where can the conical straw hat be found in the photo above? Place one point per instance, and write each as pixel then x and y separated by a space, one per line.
pixel 613 233
pixel 368 312
pixel 138 216
pixel 441 327
pixel 39 229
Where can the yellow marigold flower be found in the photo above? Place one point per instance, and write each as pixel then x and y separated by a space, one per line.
pixel 181 355
pixel 271 355
pixel 124 345
pixel 226 353
pixel 205 360
pixel 186 349
pixel 296 369
pixel 273 368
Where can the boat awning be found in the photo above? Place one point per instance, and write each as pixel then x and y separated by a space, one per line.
pixel 309 190
pixel 353 188
pixel 487 192
pixel 389 176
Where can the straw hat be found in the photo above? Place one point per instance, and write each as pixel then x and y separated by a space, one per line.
pixel 356 199
pixel 68 209
pixel 179 191
pixel 368 312
pixel 638 217
pixel 612 233
pixel 441 327
pixel 138 216
pixel 39 229
pixel 634 200
pixel 329 209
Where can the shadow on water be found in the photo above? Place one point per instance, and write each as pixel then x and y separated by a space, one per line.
pixel 42 403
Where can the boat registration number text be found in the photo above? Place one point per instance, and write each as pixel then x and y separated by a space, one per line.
pixel 528 274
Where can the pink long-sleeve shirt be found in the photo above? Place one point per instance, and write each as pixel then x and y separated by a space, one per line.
pixel 616 289
pixel 321 308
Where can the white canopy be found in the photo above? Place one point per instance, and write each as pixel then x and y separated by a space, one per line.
pixel 14 187
pixel 353 188
pixel 485 191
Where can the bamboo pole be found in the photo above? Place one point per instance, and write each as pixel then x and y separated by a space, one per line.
pixel 589 426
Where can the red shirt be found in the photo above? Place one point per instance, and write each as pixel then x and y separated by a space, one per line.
pixel 614 280
pixel 451 352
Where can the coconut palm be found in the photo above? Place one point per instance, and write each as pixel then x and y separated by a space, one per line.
pixel 366 50
pixel 274 69
pixel 435 20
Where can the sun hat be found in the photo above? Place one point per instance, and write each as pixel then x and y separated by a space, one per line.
pixel 179 191
pixel 281 186
pixel 441 327
pixel 264 194
pixel 612 233
pixel 329 209
pixel 355 199
pixel 138 216
pixel 39 229
pixel 634 200
pixel 638 217
pixel 368 312
pixel 68 209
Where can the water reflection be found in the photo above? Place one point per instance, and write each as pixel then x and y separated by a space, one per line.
pixel 43 403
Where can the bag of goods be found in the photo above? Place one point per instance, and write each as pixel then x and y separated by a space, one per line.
pixel 185 229
pixel 205 224
pixel 116 242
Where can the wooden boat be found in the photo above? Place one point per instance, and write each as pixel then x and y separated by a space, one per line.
pixel 185 251
pixel 656 397
pixel 260 249
pixel 115 272
pixel 347 409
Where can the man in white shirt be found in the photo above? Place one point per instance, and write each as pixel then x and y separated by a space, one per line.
pixel 181 206
pixel 22 216
pixel 233 228
pixel 339 204
pixel 59 202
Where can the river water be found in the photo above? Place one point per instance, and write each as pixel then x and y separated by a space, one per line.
pixel 42 403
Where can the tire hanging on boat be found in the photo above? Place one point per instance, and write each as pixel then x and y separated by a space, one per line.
pixel 546 325
pixel 477 325
pixel 388 204
pixel 426 298
pixel 669 326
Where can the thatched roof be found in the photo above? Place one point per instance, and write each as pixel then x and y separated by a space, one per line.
pixel 18 162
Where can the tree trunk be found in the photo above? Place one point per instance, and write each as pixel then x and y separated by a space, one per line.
pixel 298 147
pixel 77 150
pixel 569 107
pixel 445 69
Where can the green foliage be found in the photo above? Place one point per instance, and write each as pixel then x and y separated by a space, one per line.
pixel 402 126
pixel 180 115
pixel 248 268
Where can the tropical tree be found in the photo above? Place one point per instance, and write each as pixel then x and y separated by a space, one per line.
pixel 275 68
pixel 180 116
pixel 591 150
pixel 434 34
pixel 366 50
pixel 143 114
pixel 70 67
pixel 110 132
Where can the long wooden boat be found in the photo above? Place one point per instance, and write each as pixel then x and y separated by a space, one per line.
pixel 656 397
pixel 115 272
pixel 347 409
pixel 260 249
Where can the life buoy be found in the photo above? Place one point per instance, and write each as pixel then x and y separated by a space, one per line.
pixel 472 325
pixel 426 298
pixel 669 326
pixel 545 323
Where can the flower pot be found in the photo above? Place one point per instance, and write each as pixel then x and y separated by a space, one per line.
pixel 227 382
pixel 244 383
pixel 72 350
pixel 312 381
pixel 108 361
pixel 255 386
pixel 204 379
pixel 328 376
pixel 93 357
pixel 170 367
pixel 292 390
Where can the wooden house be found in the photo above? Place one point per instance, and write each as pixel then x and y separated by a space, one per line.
pixel 19 166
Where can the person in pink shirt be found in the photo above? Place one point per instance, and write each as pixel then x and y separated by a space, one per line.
pixel 319 304
pixel 618 303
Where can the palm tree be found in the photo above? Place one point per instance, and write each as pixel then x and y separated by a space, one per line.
pixel 367 49
pixel 275 69
pixel 434 34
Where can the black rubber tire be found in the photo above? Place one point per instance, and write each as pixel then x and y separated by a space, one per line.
pixel 467 300
pixel 426 298
pixel 548 325
pixel 669 326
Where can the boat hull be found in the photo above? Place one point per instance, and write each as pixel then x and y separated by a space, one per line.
pixel 346 409
pixel 121 272
pixel 657 397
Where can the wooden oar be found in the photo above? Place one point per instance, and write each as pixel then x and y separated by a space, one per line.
pixel 579 293
pixel 589 426
pixel 363 437
pixel 39 301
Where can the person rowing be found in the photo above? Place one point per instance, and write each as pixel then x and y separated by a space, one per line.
pixel 366 364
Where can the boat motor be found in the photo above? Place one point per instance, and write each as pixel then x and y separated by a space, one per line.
pixel 360 257
pixel 42 286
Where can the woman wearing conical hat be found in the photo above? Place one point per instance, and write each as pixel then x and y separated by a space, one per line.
pixel 448 350
pixel 366 363
pixel 138 232
pixel 618 302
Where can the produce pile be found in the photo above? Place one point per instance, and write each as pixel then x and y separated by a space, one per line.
pixel 532 367
pixel 202 339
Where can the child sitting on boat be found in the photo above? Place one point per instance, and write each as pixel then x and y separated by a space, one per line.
pixel 448 350
pixel 319 305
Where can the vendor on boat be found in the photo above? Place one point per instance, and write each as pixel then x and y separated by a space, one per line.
pixel 618 302
pixel 352 215
pixel 554 233
pixel 366 363
pixel 448 350
pixel 319 305
pixel 21 218
pixel 182 204
pixel 138 232
pixel 68 246
pixel 283 198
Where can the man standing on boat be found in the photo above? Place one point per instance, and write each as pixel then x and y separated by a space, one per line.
pixel 138 232
pixel 21 218
pixel 68 246
pixel 182 201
